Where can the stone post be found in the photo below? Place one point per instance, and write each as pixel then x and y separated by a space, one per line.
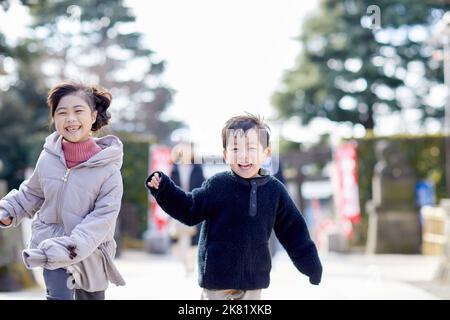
pixel 394 220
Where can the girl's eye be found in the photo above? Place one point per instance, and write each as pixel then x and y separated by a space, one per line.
pixel 62 113
pixel 79 111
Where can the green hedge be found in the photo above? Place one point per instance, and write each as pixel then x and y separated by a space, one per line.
pixel 135 196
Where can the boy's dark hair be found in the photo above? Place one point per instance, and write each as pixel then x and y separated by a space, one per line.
pixel 98 98
pixel 246 122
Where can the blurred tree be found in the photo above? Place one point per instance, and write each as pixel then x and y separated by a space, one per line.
pixel 98 42
pixel 351 69
pixel 22 103
pixel 22 114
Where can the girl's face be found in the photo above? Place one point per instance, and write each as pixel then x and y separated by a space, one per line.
pixel 74 118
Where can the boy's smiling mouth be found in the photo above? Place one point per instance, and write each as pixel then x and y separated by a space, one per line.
pixel 245 166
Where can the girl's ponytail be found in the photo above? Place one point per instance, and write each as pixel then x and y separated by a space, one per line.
pixel 102 100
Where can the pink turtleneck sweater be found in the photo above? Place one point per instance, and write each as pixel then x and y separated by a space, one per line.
pixel 78 152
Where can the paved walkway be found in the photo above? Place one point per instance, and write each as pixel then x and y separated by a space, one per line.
pixel 353 276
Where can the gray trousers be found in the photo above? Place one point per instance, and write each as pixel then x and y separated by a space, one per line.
pixel 57 288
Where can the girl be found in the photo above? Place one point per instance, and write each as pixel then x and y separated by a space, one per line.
pixel 74 195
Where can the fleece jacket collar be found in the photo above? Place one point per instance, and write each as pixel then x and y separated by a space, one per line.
pixel 254 183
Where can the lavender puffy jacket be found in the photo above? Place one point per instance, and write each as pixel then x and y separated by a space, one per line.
pixel 72 207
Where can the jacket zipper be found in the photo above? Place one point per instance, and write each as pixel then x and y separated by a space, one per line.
pixel 64 179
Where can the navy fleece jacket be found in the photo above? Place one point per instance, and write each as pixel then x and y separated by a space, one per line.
pixel 239 216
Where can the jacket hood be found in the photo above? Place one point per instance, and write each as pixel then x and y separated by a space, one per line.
pixel 112 150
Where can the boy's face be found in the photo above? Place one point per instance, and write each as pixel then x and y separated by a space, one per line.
pixel 244 152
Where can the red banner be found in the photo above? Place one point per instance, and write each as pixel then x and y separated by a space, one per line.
pixel 347 185
pixel 160 159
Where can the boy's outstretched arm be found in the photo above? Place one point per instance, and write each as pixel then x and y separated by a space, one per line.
pixel 188 207
pixel 290 228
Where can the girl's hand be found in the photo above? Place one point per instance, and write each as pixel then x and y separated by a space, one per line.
pixel 154 182
pixel 6 221
pixel 72 253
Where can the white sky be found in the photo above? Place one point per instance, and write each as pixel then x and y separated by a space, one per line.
pixel 224 57
pixel 13 23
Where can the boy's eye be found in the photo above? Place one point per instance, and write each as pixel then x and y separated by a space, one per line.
pixel 61 113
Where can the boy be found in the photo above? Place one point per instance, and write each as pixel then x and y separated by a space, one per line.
pixel 239 209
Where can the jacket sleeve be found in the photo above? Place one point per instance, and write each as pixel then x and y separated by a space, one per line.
pixel 290 228
pixel 25 202
pixel 85 237
pixel 188 207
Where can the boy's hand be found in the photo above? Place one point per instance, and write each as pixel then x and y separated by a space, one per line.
pixel 154 182
pixel 315 278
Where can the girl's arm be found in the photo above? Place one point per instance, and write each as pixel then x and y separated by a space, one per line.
pixel 22 203
pixel 190 208
pixel 290 228
pixel 85 237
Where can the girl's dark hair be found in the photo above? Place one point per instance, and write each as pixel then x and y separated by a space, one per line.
pixel 98 98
